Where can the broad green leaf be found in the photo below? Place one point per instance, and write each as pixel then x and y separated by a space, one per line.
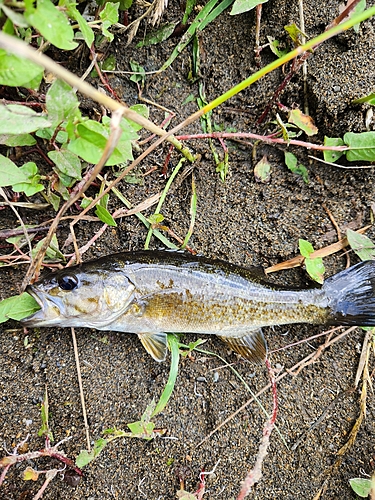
pixel 18 307
pixel 105 216
pixel 156 219
pixel 155 37
pixel 86 30
pixel 32 185
pixel 241 6
pixel 314 266
pixel 18 119
pixel 18 72
pixel 16 18
pixel 315 269
pixel 67 163
pixel 61 102
pixel 13 140
pixel 10 174
pixel 332 156
pixel 142 110
pixel 302 121
pixel 109 16
pixel 361 486
pixel 262 170
pixel 291 163
pixel 52 24
pixel 305 248
pixel 85 457
pixel 362 146
pixel 110 12
pixel 93 138
pixel 361 245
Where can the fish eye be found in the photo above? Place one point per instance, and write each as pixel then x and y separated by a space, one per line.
pixel 68 282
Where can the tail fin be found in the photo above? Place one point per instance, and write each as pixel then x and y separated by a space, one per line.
pixel 351 295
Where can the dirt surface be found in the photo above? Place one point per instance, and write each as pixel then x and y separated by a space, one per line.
pixel 241 221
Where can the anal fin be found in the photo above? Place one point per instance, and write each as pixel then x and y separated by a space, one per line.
pixel 155 344
pixel 251 345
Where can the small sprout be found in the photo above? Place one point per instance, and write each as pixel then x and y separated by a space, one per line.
pixel 291 163
pixel 314 266
pixel 30 474
pixel 45 430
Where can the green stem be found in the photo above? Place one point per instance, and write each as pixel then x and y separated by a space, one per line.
pixel 161 200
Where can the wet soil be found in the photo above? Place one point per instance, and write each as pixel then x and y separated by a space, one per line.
pixel 241 221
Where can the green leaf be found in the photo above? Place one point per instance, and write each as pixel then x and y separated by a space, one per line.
pixel 294 32
pixel 105 216
pixel 18 307
pixel 93 138
pixel 44 414
pixel 84 458
pixel 67 163
pixel 110 12
pixel 262 170
pixel 360 7
pixel 86 30
pixel 16 18
pixel 156 219
pixel 291 163
pixel 305 248
pixel 370 99
pixel 31 186
pixel 172 377
pixel 361 245
pixel 142 110
pixel 314 267
pixel 362 146
pixel 139 70
pixel 10 174
pixel 302 121
pixel 157 36
pixel 61 102
pixel 18 119
pixel 109 16
pixel 332 156
pixel 274 46
pixel 19 72
pixel 241 6
pixel 360 486
pixel 52 24
pixel 13 140
pixel 29 474
pixel 53 253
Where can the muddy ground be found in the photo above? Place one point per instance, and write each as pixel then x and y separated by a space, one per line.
pixel 242 221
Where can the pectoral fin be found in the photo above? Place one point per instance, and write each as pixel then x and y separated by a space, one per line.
pixel 155 344
pixel 251 346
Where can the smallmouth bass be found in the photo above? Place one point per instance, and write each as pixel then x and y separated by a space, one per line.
pixel 152 293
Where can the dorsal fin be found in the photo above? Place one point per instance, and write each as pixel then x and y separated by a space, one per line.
pixel 155 344
pixel 251 345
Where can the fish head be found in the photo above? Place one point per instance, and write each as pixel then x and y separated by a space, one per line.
pixel 78 296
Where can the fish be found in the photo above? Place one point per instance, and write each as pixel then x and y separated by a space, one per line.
pixel 153 293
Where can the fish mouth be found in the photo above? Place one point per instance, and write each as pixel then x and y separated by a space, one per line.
pixel 48 314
